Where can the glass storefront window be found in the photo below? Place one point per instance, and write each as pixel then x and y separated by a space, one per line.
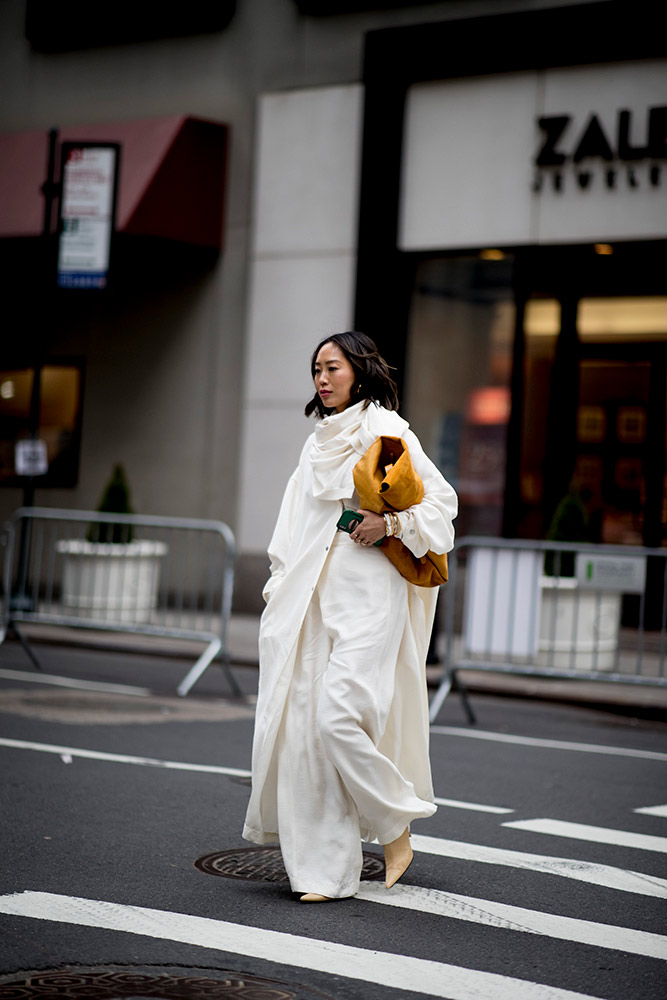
pixel 458 373
pixel 612 319
pixel 613 382
pixel 593 400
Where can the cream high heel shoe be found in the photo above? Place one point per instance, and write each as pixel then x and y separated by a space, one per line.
pixel 397 858
pixel 314 897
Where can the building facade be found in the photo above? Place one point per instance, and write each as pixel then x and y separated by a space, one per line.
pixel 480 186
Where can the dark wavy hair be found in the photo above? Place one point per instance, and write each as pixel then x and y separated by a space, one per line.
pixel 372 379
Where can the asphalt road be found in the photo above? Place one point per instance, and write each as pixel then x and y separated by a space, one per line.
pixel 537 875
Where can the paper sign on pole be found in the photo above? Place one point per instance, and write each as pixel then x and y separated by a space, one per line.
pixel 87 214
pixel 31 458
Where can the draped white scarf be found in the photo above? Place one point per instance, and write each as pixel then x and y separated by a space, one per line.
pixel 341 439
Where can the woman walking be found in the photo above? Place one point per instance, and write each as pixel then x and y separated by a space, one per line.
pixel 340 751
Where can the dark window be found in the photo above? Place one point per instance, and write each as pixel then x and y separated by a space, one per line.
pixel 58 424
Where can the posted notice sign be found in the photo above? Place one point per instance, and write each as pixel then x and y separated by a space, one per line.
pixel 87 207
pixel 31 458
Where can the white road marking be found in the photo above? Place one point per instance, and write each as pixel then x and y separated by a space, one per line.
pixel 581 871
pixel 595 874
pixel 516 918
pixel 400 972
pixel 473 806
pixel 70 682
pixel 176 765
pixel 118 758
pixel 653 810
pixel 596 834
pixel 533 741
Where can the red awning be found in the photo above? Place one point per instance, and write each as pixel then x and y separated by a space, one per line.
pixel 171 183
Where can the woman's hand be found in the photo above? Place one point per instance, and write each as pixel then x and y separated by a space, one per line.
pixel 370 530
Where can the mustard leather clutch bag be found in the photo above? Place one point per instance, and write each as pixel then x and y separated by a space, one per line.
pixel 385 480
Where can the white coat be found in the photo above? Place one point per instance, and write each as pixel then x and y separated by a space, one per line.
pixel 298 550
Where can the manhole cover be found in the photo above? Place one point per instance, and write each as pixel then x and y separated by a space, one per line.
pixel 127 983
pixel 265 864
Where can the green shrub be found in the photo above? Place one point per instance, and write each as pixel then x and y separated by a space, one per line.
pixel 115 500
pixel 570 523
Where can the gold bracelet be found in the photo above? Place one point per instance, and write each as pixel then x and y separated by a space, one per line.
pixel 388 526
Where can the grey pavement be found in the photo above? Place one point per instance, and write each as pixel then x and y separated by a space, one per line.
pixel 110 802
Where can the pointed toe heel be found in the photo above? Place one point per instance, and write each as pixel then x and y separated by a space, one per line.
pixel 397 858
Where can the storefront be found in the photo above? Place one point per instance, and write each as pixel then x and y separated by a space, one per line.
pixel 74 348
pixel 519 282
pixel 393 179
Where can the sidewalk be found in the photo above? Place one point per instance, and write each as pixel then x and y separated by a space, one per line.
pixel 243 634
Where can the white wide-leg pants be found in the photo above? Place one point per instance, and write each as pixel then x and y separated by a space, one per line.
pixel 332 779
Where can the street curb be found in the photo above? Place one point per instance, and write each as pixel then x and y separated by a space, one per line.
pixel 643 698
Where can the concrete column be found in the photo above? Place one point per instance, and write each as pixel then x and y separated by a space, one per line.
pixel 301 287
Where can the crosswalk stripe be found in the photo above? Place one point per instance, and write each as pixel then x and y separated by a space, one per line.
pixel 595 874
pixel 493 914
pixel 400 972
pixel 536 741
pixel 582 871
pixel 652 810
pixel 596 834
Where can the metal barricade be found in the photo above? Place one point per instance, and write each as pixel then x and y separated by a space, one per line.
pixel 5 536
pixel 153 576
pixel 554 609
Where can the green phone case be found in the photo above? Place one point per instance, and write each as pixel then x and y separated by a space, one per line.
pixel 348 521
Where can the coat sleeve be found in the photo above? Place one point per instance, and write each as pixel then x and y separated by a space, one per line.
pixel 282 535
pixel 283 532
pixel 429 524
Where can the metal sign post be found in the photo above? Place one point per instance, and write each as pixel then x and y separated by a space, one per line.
pixel 26 450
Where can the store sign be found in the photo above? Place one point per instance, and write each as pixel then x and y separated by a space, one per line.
pixel 574 154
pixel 565 154
pixel 87 208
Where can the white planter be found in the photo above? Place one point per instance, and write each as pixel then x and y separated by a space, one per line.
pixel 113 582
pixel 579 628
pixel 502 604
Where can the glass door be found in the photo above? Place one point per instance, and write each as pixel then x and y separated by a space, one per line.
pixel 621 416
pixel 594 378
pixel 611 464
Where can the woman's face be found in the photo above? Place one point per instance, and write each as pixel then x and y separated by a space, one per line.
pixel 334 378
